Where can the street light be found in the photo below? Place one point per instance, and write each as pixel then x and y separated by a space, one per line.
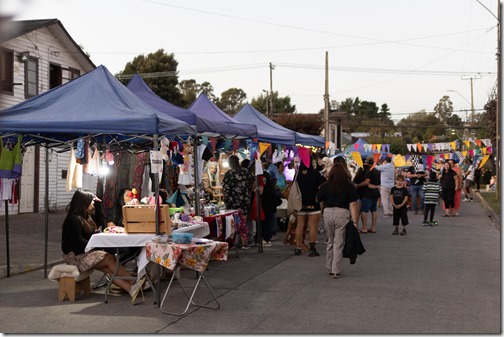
pixel 472 105
pixel 267 102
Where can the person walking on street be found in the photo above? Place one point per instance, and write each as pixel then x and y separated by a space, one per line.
pixel 309 180
pixel 371 196
pixel 417 179
pixel 432 191
pixel 399 199
pixel 387 174
pixel 468 182
pixel 339 197
pixel 448 179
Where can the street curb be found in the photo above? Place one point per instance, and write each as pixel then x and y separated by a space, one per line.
pixel 21 269
pixel 493 216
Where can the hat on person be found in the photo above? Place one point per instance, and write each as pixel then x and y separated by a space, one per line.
pixel 370 160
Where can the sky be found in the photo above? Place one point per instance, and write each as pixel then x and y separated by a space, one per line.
pixel 406 54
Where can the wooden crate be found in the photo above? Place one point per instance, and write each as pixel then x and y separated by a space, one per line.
pixel 142 219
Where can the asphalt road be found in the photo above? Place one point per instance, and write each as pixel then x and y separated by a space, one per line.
pixel 444 279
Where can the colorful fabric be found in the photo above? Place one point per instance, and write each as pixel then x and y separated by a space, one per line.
pixel 11 161
pixel 192 256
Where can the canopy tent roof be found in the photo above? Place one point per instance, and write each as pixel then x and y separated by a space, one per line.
pixel 95 104
pixel 203 125
pixel 206 109
pixel 248 114
pixel 265 126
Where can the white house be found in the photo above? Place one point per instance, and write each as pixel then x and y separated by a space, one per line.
pixel 36 56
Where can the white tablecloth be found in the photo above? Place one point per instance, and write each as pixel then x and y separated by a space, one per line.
pixel 115 240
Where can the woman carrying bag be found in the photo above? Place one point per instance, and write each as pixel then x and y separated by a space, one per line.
pixel 339 197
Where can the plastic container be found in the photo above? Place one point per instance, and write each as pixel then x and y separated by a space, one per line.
pixel 182 237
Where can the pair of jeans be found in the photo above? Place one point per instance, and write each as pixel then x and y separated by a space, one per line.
pixel 335 222
pixel 417 190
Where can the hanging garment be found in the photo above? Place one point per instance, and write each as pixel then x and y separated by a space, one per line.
pixel 74 175
pixel 11 161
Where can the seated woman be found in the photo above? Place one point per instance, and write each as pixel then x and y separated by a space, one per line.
pixel 79 225
pixel 211 179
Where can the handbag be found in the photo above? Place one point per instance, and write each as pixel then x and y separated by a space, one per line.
pixel 286 191
pixel 295 200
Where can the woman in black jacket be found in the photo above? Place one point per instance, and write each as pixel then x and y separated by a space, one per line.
pixel 85 215
pixel 339 198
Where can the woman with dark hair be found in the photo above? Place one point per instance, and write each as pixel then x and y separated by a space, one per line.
pixel 448 179
pixel 339 198
pixel 79 225
pixel 309 180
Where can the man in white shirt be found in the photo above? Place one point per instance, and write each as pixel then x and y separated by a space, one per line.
pixel 387 177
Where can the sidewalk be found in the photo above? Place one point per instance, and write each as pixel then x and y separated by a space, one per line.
pixel 444 279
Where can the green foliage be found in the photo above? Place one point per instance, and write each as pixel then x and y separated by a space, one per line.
pixel 190 90
pixel 444 109
pixel 311 124
pixel 280 104
pixel 365 116
pixel 231 100
pixel 165 87
pixel 421 127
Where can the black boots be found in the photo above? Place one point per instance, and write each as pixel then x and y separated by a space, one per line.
pixel 313 250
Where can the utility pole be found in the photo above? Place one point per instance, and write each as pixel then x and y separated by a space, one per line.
pixel 498 111
pixel 472 97
pixel 326 100
pixel 271 67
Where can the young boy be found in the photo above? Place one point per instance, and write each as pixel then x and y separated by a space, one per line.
pixel 399 200
pixel 432 191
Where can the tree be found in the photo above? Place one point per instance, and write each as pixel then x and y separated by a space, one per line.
pixel 365 116
pixel 231 100
pixel 189 90
pixel 280 104
pixel 165 86
pixel 311 124
pixel 421 127
pixel 443 109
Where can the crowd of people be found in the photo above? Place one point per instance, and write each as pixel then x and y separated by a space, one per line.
pixel 332 197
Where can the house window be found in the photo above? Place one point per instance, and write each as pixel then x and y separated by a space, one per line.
pixel 7 71
pixel 55 75
pixel 31 77
pixel 73 73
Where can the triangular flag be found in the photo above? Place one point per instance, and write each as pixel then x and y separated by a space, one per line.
pixel 373 147
pixel 357 157
pixel 484 150
pixel 304 155
pixel 376 157
pixel 454 145
pixel 204 139
pixel 378 146
pixel 467 143
pixel 484 160
pixel 356 146
pixel 227 144
pixel 419 147
pixel 263 147
pixel 399 161
pixel 213 141
pixel 236 144
pixel 478 142
pixel 464 153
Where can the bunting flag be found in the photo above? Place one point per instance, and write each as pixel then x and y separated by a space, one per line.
pixel 356 147
pixel 483 149
pixel 304 155
pixel 430 160
pixel 213 141
pixel 327 145
pixel 263 147
pixel 376 157
pixel 379 146
pixel 357 157
pixel 483 161
pixel 254 146
pixel 453 145
pixel 236 144
pixel 419 147
pixel 489 150
pixel 373 147
pixel 227 144
pixel 467 143
pixel 464 153
pixel 204 139
pixel 399 161
pixel 478 142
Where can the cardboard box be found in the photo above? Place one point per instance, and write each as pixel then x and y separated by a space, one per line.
pixel 142 219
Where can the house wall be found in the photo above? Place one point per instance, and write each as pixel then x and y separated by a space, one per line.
pixel 44 45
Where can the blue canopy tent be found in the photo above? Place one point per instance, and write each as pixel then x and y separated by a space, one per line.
pixel 96 105
pixel 265 126
pixel 207 110
pixel 248 114
pixel 203 125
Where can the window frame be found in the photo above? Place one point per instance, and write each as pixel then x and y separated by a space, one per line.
pixel 27 71
pixel 7 68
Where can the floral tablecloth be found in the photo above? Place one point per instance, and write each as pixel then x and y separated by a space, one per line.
pixel 192 256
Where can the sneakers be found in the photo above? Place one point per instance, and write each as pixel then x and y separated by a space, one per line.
pixel 465 199
pixel 472 200
pixel 266 243
pixel 338 275
pixel 434 223
pixel 313 253
pixel 395 232
pixel 425 223
pixel 297 251
pixel 274 237
pixel 403 231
